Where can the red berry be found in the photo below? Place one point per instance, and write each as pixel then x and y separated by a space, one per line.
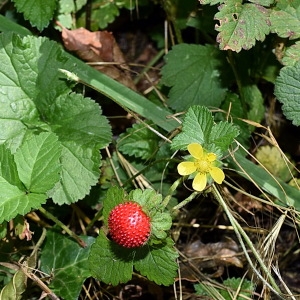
pixel 129 226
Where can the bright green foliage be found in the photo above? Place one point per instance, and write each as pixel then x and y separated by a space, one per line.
pixel 198 127
pixel 37 162
pixel 37 12
pixel 194 75
pixel 285 19
pixel 241 25
pixel 287 91
pixel 138 141
pixel 67 263
pixel 35 99
pixel 15 199
pixel 113 264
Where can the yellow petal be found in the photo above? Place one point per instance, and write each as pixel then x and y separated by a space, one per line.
pixel 199 182
pixel 195 150
pixel 186 168
pixel 211 157
pixel 217 174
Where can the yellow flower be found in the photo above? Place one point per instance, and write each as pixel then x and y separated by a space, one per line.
pixel 203 164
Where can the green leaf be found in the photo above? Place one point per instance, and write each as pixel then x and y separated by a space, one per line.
pixel 292 55
pixel 287 91
pixel 158 262
pixel 80 171
pixel 241 25
pixel 8 168
pixel 255 102
pixel 243 287
pixel 196 79
pixel 138 141
pixel 105 13
pixel 38 162
pixel 114 196
pixel 196 128
pixel 68 262
pixel 109 262
pixel 222 135
pixel 286 21
pixel 38 12
pixel 75 118
pixel 6 25
pixel 15 201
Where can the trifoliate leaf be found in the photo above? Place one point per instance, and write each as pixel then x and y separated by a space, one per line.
pixel 286 21
pixel 80 171
pixel 287 91
pixel 38 162
pixel 109 262
pixel 35 99
pixel 138 141
pixel 196 127
pixel 196 79
pixel 158 262
pixel 37 12
pixel 67 262
pixel 241 25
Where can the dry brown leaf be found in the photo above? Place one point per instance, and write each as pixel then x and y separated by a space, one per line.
pixel 97 47
pixel 212 256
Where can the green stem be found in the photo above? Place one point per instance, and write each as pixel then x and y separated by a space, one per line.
pixel 63 226
pixel 186 201
pixel 241 233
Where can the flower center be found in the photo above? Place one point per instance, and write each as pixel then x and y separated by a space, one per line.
pixel 203 166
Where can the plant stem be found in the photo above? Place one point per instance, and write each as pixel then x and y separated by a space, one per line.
pixel 241 233
pixel 186 201
pixel 63 226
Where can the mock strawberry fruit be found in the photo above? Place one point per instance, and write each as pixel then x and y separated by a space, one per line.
pixel 129 226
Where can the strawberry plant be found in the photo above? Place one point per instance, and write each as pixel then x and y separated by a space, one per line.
pixel 126 171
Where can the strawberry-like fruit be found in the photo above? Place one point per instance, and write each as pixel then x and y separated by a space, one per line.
pixel 128 224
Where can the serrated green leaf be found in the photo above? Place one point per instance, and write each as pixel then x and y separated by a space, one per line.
pixel 109 262
pixel 160 222
pixel 114 196
pixel 75 118
pixel 287 91
pixel 138 141
pixel 286 21
pixel 67 262
pixel 292 55
pixel 37 12
pixel 263 2
pixel 80 171
pixel 38 162
pixel 222 135
pixel 15 201
pixel 196 79
pixel 241 25
pixel 158 262
pixel 196 128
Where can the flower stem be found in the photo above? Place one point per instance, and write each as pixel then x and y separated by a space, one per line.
pixel 186 201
